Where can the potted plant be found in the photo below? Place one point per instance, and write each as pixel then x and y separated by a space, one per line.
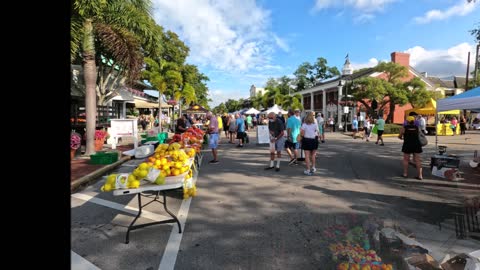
pixel 75 142
pixel 100 137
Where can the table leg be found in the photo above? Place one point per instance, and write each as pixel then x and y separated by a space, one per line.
pixel 135 219
pixel 170 213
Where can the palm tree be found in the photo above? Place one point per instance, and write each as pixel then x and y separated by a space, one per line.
pixel 114 27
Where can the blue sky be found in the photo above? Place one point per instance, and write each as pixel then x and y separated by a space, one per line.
pixel 237 43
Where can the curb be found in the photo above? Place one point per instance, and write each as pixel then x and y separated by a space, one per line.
pixel 95 174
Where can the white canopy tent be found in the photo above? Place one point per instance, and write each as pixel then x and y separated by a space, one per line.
pixel 252 111
pixel 275 109
pixel 468 100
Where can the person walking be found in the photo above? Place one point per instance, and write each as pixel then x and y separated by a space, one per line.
pixel 232 127
pixel 321 126
pixel 367 126
pixel 240 124
pixel 411 145
pixel 355 127
pixel 309 134
pixel 453 125
pixel 277 140
pixel 381 127
pixel 292 145
pixel 463 125
pixel 213 136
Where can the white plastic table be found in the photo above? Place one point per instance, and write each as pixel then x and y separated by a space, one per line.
pixel 173 182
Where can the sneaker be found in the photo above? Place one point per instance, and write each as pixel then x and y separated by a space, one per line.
pixel 313 170
pixel 292 161
pixel 382 144
pixel 307 172
pixel 323 141
pixel 213 161
pixel 269 168
pixel 376 142
pixel 277 169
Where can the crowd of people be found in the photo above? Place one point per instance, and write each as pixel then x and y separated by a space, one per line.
pixel 295 133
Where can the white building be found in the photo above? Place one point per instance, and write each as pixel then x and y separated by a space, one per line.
pixel 255 90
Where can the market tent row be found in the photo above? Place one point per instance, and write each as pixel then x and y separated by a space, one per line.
pixel 431 109
pixel 252 111
pixel 468 100
pixel 275 109
pixel 142 104
pixel 197 109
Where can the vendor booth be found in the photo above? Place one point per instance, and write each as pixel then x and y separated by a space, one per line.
pixel 431 110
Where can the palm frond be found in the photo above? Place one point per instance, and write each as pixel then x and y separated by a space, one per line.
pixel 123 47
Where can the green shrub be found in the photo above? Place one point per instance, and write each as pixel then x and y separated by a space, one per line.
pixel 392 129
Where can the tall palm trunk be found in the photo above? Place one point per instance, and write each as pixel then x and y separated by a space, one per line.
pixel 90 76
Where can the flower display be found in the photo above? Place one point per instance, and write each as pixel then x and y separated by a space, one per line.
pixel 101 135
pixel 75 140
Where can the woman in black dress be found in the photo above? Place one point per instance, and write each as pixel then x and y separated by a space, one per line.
pixel 411 145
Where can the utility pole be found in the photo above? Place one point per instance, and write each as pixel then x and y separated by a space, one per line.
pixel 468 71
pixel 477 66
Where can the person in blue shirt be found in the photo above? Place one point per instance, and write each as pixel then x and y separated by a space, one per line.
pixel 293 129
pixel 355 127
pixel 240 129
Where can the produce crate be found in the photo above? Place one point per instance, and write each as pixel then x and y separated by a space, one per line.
pixel 162 137
pixel 103 158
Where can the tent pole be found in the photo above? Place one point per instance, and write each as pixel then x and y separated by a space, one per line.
pixel 436 133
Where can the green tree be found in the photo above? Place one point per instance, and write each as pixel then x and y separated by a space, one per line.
pixel 322 71
pixel 220 109
pixel 307 74
pixel 115 26
pixel 396 93
pixel 304 76
pixel 292 102
pixel 231 105
pixel 417 93
pixel 476 33
pixel 257 101
pixel 367 89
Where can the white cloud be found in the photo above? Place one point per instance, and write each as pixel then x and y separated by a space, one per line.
pixel 368 6
pixel 461 9
pixel 219 96
pixel 371 63
pixel 227 35
pixel 442 63
pixel 281 43
pixel 363 18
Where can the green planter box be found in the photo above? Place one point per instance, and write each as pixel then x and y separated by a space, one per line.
pixel 103 158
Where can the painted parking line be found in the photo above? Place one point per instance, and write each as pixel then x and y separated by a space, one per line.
pixel 171 250
pixel 79 263
pixel 120 207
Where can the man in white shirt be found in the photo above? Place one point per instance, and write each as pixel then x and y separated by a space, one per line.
pixel 321 126
pixel 422 124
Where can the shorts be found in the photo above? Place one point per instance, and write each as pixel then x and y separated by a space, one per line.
pixel 320 129
pixel 379 133
pixel 240 135
pixel 213 141
pixel 292 145
pixel 280 144
pixel 309 144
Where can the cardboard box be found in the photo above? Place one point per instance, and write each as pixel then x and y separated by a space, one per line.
pixel 424 262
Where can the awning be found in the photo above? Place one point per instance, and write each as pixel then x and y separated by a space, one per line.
pixel 141 104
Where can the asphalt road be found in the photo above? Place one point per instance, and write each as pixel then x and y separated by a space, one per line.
pixel 247 218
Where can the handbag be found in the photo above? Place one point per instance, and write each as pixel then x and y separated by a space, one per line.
pixel 374 129
pixel 421 137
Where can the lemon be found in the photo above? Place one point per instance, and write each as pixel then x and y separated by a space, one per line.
pixel 143 166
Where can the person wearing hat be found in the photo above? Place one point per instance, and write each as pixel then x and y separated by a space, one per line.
pixel 411 145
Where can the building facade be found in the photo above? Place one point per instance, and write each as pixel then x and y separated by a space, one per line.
pixel 255 90
pixel 328 96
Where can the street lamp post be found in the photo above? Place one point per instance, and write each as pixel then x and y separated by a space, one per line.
pixel 346 106
pixel 339 109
